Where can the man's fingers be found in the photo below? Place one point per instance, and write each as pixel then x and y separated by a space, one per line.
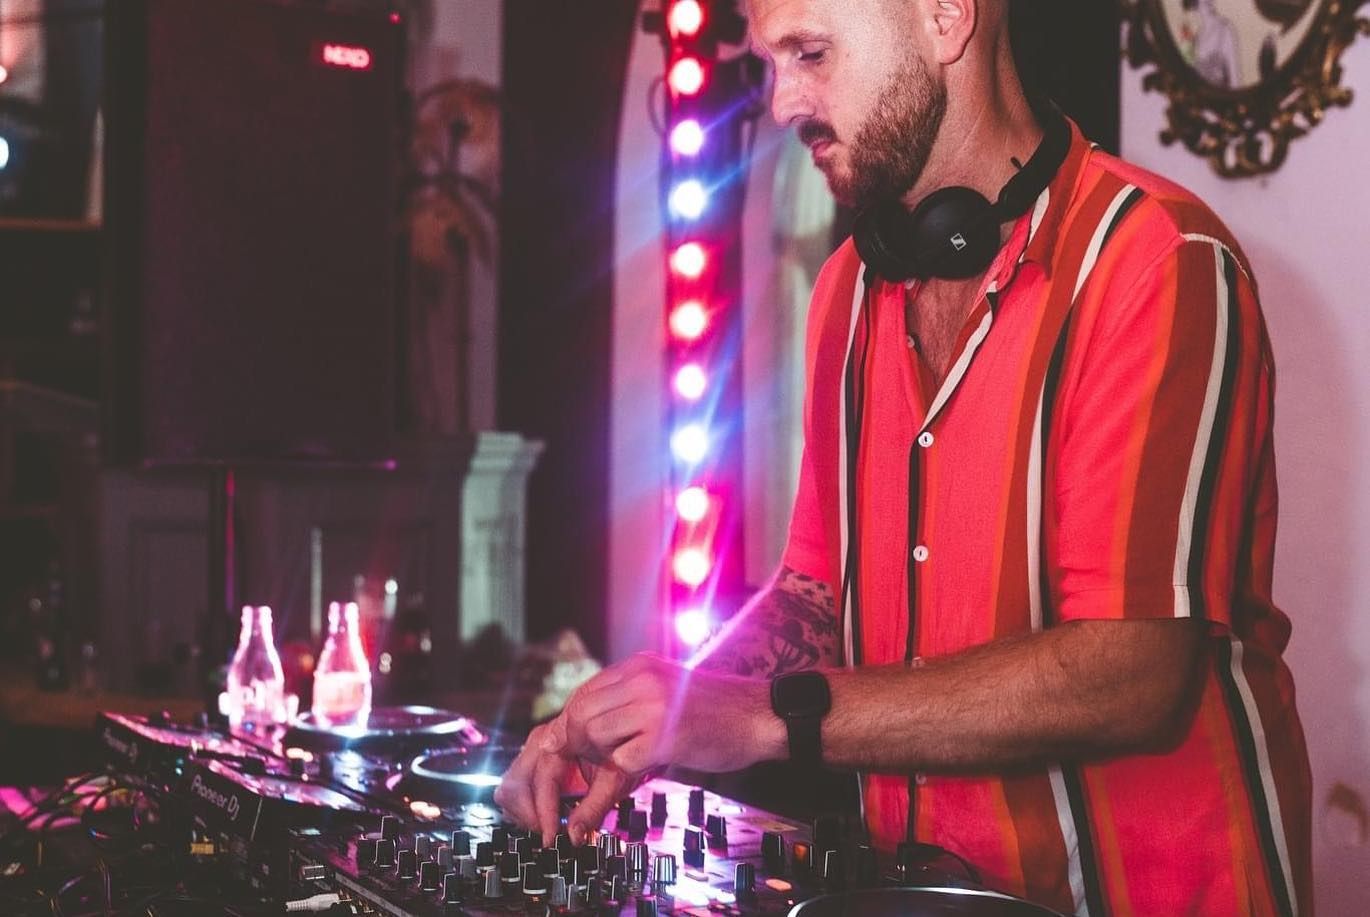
pixel 514 794
pixel 608 787
pixel 547 796
pixel 636 756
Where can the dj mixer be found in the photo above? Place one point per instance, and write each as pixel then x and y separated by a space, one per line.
pixel 397 819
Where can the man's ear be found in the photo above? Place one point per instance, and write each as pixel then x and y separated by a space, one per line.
pixel 949 25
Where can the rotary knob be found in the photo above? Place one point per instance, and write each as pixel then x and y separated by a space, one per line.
pixel 407 865
pixel 716 827
pixel 451 889
pixel 461 843
pixel 365 854
pixel 646 906
pixel 465 867
pixel 509 870
pixel 744 883
pixel 588 856
pixel 663 869
pixel 867 867
pixel 834 876
pixel 492 886
pixel 637 862
pixel 637 825
pixel 423 847
pixel 523 846
pixel 658 809
pixel 564 846
pixel 559 897
pixel 616 867
pixel 430 876
pixel 534 882
pixel 443 855
pixel 694 848
pixel 485 855
pixel 390 828
pixel 695 811
pixel 499 836
pixel 773 853
pixel 385 853
pixel 610 845
pixel 801 855
pixel 547 861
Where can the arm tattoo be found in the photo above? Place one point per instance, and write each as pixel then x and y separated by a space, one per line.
pixel 789 625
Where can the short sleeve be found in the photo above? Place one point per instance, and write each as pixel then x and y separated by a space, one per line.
pixel 806 550
pixel 1157 428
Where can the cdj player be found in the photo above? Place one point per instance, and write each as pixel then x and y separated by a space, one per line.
pixel 396 819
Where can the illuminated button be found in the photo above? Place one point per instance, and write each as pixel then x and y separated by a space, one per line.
pixel 925 439
pixel 920 553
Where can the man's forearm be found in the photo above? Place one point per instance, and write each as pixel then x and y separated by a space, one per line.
pixel 788 626
pixel 1088 689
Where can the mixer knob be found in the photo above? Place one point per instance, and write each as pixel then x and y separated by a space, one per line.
pixel 423 846
pixel 610 845
pixel 390 828
pixel 744 882
pixel 366 852
pixel 534 882
pixel 509 869
pixel 559 898
pixel 385 854
pixel 616 867
pixel 618 890
pixel 587 855
pixel 461 844
pixel 637 862
pixel 547 862
pixel 663 869
pixel 773 853
pixel 465 867
pixel 570 871
pixel 827 835
pixel 499 836
pixel 451 889
pixel 485 854
pixel 695 810
pixel 443 855
pixel 694 848
pixel 646 906
pixel 658 809
pixel 523 846
pixel 492 887
pixel 594 894
pixel 801 856
pixel 407 865
pixel 834 877
pixel 564 846
pixel 716 826
pixel 867 867
pixel 637 825
pixel 624 807
pixel 430 876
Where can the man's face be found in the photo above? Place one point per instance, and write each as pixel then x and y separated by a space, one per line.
pixel 850 78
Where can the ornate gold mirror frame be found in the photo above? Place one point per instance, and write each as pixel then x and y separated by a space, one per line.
pixel 1244 77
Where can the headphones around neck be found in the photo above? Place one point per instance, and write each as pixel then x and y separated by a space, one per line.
pixel 953 233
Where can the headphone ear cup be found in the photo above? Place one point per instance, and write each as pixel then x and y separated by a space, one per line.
pixel 883 235
pixel 955 233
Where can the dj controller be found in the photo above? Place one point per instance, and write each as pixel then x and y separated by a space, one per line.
pixel 397 819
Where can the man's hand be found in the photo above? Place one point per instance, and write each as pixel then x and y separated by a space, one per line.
pixel 650 712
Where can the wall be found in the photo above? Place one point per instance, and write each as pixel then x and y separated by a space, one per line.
pixel 1304 231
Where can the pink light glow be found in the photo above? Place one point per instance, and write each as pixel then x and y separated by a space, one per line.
pixel 686 18
pixel 692 504
pixel 689 321
pixel 687 76
pixel 691 566
pixel 689 260
pixel 693 626
pixel 691 382
pixel 687 138
pixel 349 57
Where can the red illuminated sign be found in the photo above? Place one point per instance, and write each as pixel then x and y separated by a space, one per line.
pixel 349 57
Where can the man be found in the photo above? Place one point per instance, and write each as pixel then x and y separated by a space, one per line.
pixel 1035 518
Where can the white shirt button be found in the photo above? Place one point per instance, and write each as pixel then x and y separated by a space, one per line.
pixel 920 778
pixel 925 439
pixel 917 663
pixel 920 553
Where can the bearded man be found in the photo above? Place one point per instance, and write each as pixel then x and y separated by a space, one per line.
pixel 1027 584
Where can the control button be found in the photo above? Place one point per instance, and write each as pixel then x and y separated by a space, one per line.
pixel 834 875
pixel 658 809
pixel 534 882
pixel 465 867
pixel 616 867
pixel 559 897
pixel 499 836
pixel 618 890
pixel 587 855
pixel 443 855
pixel 637 862
pixel 523 846
pixel 385 854
pixel 430 876
pixel 696 808
pixel 547 862
pixel 564 846
pixel 925 439
pixel 390 827
pixel 407 866
pixel 637 825
pixel 773 853
pixel 423 847
pixel 366 852
pixel 610 845
pixel 646 906
pixel 694 848
pixel 570 871
pixel 625 811
pixel 920 553
pixel 663 869
pixel 492 886
pixel 716 827
pixel 461 844
pixel 744 882
pixel 451 889
pixel 827 835
pixel 485 855
pixel 509 871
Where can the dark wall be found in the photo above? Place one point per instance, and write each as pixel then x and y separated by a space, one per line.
pixel 1069 51
pixel 564 68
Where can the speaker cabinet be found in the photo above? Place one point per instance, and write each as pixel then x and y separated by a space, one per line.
pixel 252 156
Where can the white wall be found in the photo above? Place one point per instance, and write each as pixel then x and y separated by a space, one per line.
pixel 1304 229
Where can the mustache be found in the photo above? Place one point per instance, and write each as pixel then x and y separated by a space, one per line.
pixel 811 132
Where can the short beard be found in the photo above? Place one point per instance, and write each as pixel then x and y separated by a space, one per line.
pixel 891 148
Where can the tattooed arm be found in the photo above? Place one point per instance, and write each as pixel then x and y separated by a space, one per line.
pixel 789 625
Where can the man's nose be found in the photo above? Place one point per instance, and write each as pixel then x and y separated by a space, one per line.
pixel 788 103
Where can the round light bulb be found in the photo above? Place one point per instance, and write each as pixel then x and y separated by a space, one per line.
pixel 691 566
pixel 689 199
pixel 690 382
pixel 693 626
pixel 692 504
pixel 687 138
pixel 689 321
pixel 690 444
pixel 686 76
pixel 686 18
pixel 689 260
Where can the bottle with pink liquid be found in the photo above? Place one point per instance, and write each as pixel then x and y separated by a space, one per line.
pixel 342 678
pixel 256 682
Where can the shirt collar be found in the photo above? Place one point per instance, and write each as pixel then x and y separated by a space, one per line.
pixel 1055 202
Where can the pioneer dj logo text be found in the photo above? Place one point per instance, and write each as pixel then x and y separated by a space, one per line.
pixel 128 749
pixel 347 56
pixel 229 803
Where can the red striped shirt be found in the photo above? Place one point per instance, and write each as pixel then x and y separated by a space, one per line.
pixel 1101 449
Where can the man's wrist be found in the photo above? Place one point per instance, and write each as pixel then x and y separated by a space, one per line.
pixel 771 736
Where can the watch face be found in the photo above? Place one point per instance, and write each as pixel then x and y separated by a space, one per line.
pixel 801 694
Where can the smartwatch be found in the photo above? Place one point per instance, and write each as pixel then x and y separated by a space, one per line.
pixel 802 699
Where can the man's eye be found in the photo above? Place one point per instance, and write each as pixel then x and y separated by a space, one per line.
pixel 810 57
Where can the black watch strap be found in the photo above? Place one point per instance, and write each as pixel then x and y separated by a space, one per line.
pixel 802 699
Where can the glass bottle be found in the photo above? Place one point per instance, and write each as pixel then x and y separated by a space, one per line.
pixel 342 679
pixel 256 682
